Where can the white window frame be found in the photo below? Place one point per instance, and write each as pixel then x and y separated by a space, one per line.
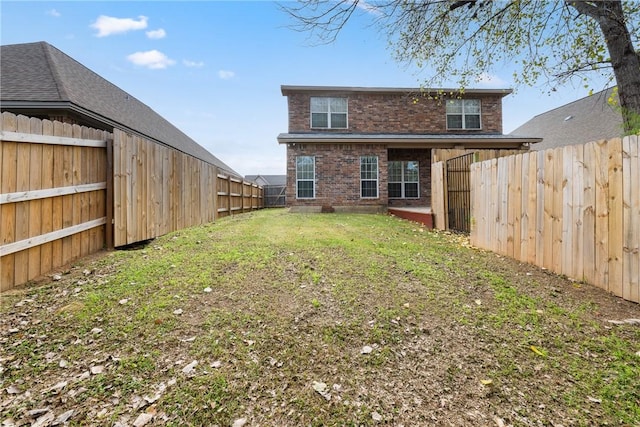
pixel 328 112
pixel 363 180
pixel 403 180
pixel 463 113
pixel 312 180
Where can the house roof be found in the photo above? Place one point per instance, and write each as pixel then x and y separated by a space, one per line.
pixel 38 76
pixel 286 89
pixel 411 140
pixel 585 120
pixel 277 180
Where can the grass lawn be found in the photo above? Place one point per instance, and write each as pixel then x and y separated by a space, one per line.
pixel 279 319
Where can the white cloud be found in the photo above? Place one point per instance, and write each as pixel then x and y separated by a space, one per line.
pixel 192 64
pixel 492 80
pixel 226 75
pixel 152 59
pixel 160 33
pixel 54 13
pixel 108 25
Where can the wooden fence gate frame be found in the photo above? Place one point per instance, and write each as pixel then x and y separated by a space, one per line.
pixel 274 194
pixel 458 173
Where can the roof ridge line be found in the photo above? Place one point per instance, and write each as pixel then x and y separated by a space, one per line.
pixel 62 91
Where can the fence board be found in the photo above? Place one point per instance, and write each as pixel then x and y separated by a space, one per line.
pixel 35 206
pixel 589 213
pixel 557 210
pixel 547 227
pixel 616 239
pixel 566 218
pixel 532 210
pixel 21 266
pixel 634 294
pixel 602 215
pixel 631 189
pixel 437 189
pixel 8 212
pixel 578 213
pixel 540 206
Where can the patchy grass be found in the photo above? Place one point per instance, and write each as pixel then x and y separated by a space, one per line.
pixel 239 318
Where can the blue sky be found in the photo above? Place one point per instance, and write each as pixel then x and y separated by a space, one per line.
pixel 214 68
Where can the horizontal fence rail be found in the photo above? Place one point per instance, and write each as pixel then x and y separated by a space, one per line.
pixel 574 210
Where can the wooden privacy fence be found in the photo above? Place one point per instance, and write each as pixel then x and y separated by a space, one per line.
pixel 158 189
pixel 573 210
pixel 236 195
pixel 52 196
pixel 443 203
pixel 67 191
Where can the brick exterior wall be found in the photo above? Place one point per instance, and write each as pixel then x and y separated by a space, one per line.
pixel 337 174
pixel 370 112
pixel 337 166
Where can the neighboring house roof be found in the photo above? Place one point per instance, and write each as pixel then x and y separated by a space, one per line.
pixel 411 140
pixel 38 76
pixel 585 120
pixel 275 180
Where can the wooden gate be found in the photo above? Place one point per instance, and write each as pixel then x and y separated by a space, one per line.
pixel 459 192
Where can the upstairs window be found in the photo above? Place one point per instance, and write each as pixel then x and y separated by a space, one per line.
pixel 328 113
pixel 404 180
pixel 369 177
pixel 463 114
pixel 305 177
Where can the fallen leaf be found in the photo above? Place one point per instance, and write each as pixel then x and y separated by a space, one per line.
pixel 13 390
pixel 142 419
pixel 35 413
pixel 95 370
pixel 64 417
pixel 44 420
pixel 59 386
pixel 321 389
pixel 537 351
pixel 487 383
pixel 239 422
pixel 190 367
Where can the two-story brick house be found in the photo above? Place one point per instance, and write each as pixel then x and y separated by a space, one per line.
pixel 369 149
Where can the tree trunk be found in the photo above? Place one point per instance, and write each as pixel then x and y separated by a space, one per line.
pixel 624 59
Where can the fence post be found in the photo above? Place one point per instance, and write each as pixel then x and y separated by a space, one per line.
pixel 108 232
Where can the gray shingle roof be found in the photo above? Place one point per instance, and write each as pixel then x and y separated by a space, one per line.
pixel 38 74
pixel 268 179
pixel 585 120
